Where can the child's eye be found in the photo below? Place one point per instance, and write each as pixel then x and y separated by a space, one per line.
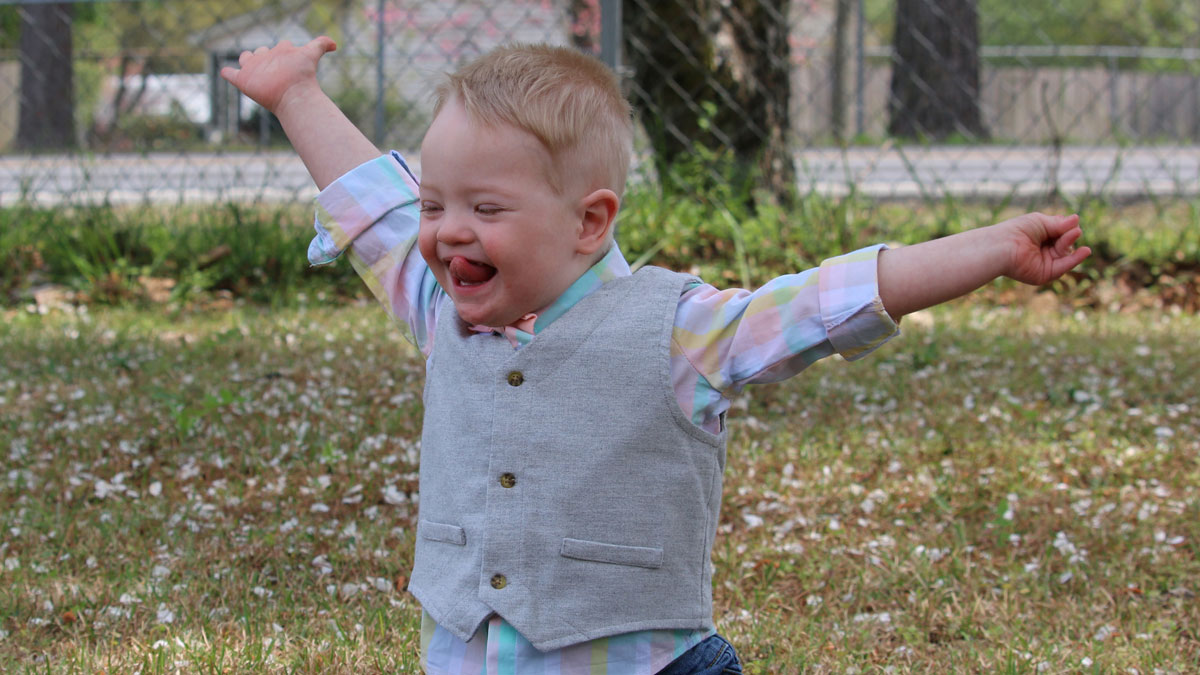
pixel 430 207
pixel 488 209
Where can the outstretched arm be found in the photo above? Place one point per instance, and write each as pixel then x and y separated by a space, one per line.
pixel 1034 248
pixel 283 79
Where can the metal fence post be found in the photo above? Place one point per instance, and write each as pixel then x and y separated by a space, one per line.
pixel 610 33
pixel 379 80
pixel 1114 122
pixel 859 37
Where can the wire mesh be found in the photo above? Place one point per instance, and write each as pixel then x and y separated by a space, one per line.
pixel 120 101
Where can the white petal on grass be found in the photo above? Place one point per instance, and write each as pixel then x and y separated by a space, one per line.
pixel 319 508
pixel 322 564
pixel 393 496
pixel 155 489
pixel 118 612
pixel 1106 631
pixel 160 571
pixel 882 618
pixel 104 488
pixel 752 520
pixel 164 615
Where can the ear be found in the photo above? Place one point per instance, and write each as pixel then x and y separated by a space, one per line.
pixel 597 211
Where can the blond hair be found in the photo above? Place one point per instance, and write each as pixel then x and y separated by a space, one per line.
pixel 571 102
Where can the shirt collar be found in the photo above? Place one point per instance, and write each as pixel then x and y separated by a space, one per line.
pixel 611 266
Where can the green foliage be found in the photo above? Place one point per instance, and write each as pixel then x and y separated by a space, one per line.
pixel 1156 23
pixel 728 236
pixel 162 32
pixel 108 254
pixel 10 27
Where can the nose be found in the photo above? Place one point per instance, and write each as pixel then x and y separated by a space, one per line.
pixel 452 229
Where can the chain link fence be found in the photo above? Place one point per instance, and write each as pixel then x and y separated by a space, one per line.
pixel 120 101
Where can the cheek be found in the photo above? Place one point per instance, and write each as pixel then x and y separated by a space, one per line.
pixel 427 243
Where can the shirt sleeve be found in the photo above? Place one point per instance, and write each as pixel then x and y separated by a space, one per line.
pixel 374 213
pixel 736 337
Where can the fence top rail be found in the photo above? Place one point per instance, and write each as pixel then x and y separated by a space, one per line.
pixel 57 2
pixel 1077 51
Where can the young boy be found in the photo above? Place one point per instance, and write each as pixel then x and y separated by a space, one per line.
pixel 574 437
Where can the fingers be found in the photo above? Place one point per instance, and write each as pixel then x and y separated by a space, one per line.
pixel 1062 245
pixel 1061 266
pixel 1056 226
pixel 321 45
pixel 230 74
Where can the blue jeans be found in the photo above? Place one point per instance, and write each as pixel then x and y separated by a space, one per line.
pixel 713 656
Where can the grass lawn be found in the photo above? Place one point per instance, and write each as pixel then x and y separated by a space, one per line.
pixel 1013 490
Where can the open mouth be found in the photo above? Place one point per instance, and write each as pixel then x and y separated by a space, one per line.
pixel 470 273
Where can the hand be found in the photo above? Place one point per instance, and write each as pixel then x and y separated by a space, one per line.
pixel 273 77
pixel 1044 247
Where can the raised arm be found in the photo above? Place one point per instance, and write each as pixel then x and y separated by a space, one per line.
pixel 1034 248
pixel 283 79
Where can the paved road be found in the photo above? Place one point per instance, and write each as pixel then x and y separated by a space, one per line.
pixel 878 172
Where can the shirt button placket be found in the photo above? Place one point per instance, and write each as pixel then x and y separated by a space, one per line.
pixel 515 378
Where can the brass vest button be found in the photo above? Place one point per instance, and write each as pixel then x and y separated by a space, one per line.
pixel 515 378
pixel 507 480
pixel 498 581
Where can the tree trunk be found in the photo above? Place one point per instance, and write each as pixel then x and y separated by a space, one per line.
pixel 841 47
pixel 761 68
pixel 935 74
pixel 669 49
pixel 695 98
pixel 47 107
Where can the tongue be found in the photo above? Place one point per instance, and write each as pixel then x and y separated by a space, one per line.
pixel 470 272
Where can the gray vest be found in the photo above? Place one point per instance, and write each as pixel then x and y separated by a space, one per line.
pixel 561 485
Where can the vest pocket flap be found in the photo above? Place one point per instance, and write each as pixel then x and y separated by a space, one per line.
pixel 450 534
pixel 637 556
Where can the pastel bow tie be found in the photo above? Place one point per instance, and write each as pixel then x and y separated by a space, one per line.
pixel 523 324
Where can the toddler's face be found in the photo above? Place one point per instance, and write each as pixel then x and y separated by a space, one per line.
pixel 496 235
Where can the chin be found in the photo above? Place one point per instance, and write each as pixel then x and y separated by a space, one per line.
pixel 476 318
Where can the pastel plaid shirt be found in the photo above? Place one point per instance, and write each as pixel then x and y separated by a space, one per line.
pixel 723 340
